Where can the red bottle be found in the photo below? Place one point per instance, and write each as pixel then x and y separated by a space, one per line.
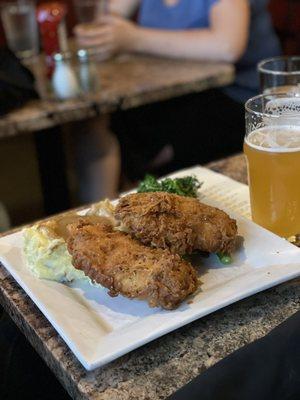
pixel 51 20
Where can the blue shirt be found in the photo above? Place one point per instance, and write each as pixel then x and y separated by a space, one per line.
pixel 191 14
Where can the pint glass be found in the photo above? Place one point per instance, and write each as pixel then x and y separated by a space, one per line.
pixel 20 26
pixel 280 75
pixel 89 10
pixel 272 149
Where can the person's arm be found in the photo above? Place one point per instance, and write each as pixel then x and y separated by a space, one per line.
pixel 124 8
pixel 225 39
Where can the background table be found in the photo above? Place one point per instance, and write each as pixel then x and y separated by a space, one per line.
pixel 126 81
pixel 157 369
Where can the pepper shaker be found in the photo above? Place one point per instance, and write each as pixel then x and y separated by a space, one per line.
pixel 87 71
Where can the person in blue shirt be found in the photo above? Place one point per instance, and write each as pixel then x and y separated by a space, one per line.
pixel 235 31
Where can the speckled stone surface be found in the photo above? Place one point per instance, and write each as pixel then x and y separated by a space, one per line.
pixel 126 81
pixel 157 369
pixel 235 167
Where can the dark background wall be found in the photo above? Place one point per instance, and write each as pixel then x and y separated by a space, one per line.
pixel 286 17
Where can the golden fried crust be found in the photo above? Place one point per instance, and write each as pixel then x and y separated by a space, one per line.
pixel 181 224
pixel 124 266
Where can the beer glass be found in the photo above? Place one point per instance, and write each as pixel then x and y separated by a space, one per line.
pixel 20 27
pixel 280 75
pixel 272 149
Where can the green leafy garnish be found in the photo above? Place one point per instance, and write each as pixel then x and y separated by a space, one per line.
pixel 224 258
pixel 186 186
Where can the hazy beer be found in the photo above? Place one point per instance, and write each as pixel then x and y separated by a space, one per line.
pixel 284 89
pixel 273 156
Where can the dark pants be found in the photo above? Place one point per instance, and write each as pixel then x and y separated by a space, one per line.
pixel 200 127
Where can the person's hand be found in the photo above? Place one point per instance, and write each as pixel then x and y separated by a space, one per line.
pixel 110 34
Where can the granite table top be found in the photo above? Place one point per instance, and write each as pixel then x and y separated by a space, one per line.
pixel 125 81
pixel 157 369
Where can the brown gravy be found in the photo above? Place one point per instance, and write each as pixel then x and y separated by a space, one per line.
pixel 59 224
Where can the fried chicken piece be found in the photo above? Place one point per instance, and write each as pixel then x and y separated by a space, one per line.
pixel 181 224
pixel 124 266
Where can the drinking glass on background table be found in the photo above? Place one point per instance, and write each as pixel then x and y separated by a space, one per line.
pixel 89 10
pixel 20 27
pixel 272 149
pixel 280 75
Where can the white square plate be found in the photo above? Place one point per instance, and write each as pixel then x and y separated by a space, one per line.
pixel 99 329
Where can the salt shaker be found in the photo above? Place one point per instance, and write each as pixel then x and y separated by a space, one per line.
pixel 64 80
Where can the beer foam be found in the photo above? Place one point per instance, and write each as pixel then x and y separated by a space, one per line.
pixel 280 139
